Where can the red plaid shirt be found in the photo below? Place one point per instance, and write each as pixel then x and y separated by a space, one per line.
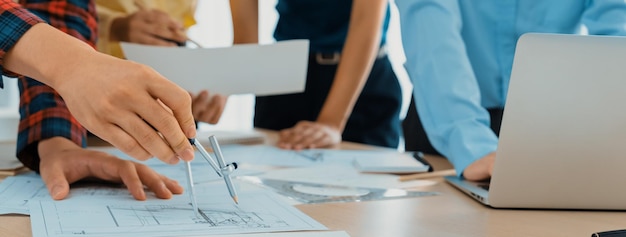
pixel 14 22
pixel 43 112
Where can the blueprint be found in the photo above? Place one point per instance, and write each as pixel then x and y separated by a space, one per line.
pixel 16 191
pixel 202 171
pixel 259 211
pixel 274 156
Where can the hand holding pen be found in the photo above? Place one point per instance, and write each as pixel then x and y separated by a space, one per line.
pixel 148 26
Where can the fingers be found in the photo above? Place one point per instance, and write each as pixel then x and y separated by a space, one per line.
pixel 179 102
pixel 306 135
pixel 135 176
pixel 56 182
pixel 150 139
pixel 208 109
pixel 480 169
pixel 125 142
pixel 130 178
pixel 63 162
pixel 217 103
pixel 148 37
pixel 172 185
pixel 175 129
pixel 164 26
pixel 154 27
pixel 57 186
pixel 198 104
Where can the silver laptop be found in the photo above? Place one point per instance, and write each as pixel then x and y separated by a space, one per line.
pixel 563 136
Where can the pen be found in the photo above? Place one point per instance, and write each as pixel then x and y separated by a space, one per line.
pixel 612 233
pixel 226 169
pixel 192 192
pixel 427 175
pixel 419 156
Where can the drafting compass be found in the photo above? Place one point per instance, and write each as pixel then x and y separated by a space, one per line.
pixel 221 168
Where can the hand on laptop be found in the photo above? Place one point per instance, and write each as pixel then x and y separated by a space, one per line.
pixel 480 169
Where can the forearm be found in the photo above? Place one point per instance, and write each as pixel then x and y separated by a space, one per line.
pixel 15 21
pixel 245 16
pixel 34 57
pixel 448 101
pixel 605 17
pixel 357 58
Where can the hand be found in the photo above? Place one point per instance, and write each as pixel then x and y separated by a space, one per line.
pixel 151 27
pixel 120 102
pixel 480 169
pixel 206 108
pixel 117 100
pixel 63 162
pixel 307 135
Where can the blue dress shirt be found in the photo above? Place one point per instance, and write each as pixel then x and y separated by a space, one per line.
pixel 459 55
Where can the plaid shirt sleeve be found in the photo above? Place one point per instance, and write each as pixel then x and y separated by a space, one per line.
pixel 14 22
pixel 43 112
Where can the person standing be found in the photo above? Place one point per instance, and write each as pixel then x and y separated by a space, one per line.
pixel 351 90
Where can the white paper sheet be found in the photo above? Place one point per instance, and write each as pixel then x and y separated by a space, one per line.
pixel 258 211
pixel 290 234
pixel 16 191
pixel 375 161
pixel 241 69
pixel 225 137
pixel 274 156
pixel 387 162
pixel 342 175
pixel 201 169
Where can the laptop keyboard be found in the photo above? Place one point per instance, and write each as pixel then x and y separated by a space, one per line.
pixel 484 186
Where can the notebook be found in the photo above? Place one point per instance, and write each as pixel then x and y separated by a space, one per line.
pixel 563 135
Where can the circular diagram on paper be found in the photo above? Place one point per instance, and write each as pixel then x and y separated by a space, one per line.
pixel 330 191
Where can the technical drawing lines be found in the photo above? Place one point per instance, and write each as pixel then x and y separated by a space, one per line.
pixel 162 215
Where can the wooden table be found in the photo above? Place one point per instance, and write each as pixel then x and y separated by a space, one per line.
pixel 450 214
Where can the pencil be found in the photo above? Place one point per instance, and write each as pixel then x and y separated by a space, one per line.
pixel 427 175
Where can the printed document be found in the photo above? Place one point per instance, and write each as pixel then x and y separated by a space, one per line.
pixel 277 68
pixel 259 210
